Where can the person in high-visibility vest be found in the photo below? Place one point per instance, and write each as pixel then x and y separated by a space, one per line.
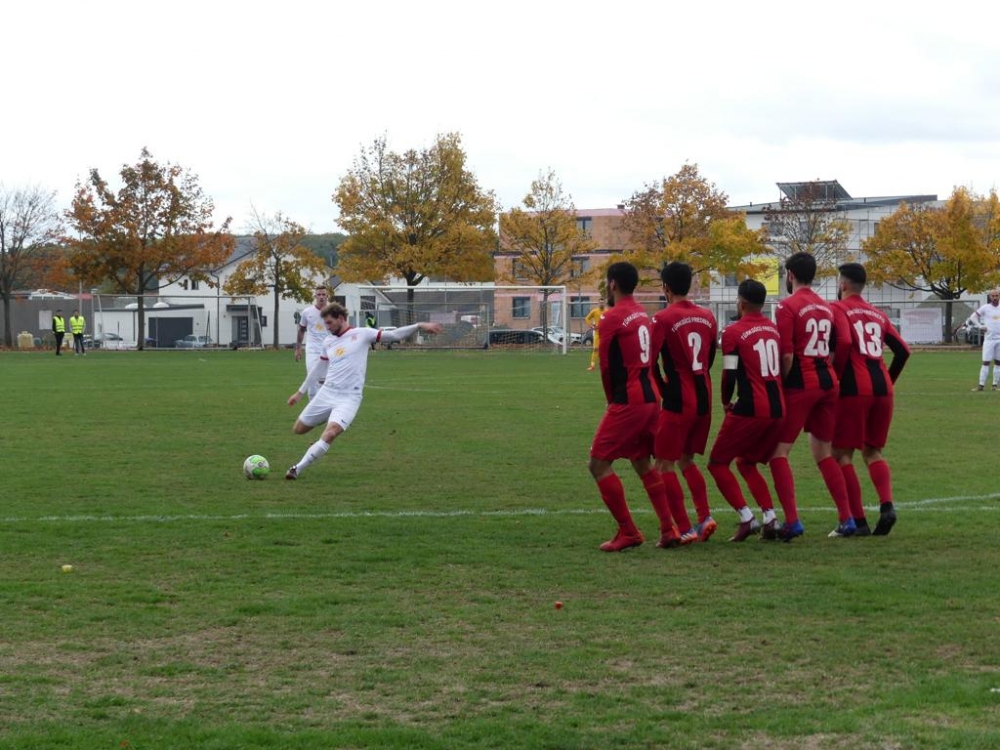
pixel 77 324
pixel 59 329
pixel 591 320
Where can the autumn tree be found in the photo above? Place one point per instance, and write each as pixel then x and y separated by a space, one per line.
pixel 807 219
pixel 415 215
pixel 944 251
pixel 280 263
pixel 29 228
pixel 155 229
pixel 685 218
pixel 543 239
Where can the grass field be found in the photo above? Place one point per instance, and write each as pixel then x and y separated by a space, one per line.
pixel 401 593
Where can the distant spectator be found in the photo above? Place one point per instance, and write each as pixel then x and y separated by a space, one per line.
pixel 59 329
pixel 77 324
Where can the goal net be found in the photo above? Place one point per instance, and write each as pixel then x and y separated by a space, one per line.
pixel 515 318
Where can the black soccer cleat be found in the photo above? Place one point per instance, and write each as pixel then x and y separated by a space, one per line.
pixel 886 520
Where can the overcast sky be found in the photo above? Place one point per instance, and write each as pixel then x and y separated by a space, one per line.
pixel 268 103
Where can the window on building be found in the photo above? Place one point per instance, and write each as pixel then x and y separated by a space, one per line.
pixel 579 307
pixel 583 223
pixel 730 279
pixel 519 270
pixel 194 285
pixel 521 307
pixel 580 267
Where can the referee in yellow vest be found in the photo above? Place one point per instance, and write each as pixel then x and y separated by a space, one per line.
pixel 77 324
pixel 59 329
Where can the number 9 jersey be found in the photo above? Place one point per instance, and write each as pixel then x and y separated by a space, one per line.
pixel 626 354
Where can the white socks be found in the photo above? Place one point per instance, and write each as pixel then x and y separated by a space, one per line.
pixel 316 451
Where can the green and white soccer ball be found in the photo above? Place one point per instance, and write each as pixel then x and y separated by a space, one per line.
pixel 256 467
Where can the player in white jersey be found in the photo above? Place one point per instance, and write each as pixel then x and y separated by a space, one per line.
pixel 313 332
pixel 342 364
pixel 988 318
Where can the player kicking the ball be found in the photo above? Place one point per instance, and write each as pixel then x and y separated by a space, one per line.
pixel 341 367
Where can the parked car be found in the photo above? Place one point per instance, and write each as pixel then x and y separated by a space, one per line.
pixel 505 336
pixel 193 341
pixel 107 340
pixel 556 334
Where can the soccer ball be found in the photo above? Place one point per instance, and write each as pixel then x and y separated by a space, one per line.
pixel 256 467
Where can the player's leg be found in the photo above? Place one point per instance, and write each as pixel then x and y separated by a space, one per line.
pixel 340 413
pixel 984 368
pixel 667 448
pixel 876 435
pixel 761 494
pixel 615 438
pixel 781 470
pixel 657 494
pixel 729 443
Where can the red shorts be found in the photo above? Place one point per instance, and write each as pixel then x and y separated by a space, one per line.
pixel 863 421
pixel 812 410
pixel 750 438
pixel 680 435
pixel 626 431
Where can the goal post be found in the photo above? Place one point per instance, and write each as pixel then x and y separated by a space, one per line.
pixel 515 318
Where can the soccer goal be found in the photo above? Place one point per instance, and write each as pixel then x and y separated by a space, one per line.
pixel 515 318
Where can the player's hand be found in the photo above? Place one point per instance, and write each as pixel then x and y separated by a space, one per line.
pixel 294 398
pixel 728 407
pixel 431 327
pixel 298 354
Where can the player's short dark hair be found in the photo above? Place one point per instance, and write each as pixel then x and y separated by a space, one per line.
pixel 752 291
pixel 854 272
pixel 803 267
pixel 625 275
pixel 676 277
pixel 334 310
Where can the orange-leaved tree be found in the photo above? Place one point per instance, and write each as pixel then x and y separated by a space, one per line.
pixel 156 228
pixel 685 217
pixel 415 215
pixel 279 263
pixel 543 241
pixel 944 251
pixel 29 230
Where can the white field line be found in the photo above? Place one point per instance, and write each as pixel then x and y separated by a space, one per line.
pixel 930 504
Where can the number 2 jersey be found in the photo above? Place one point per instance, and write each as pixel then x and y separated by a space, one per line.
pixel 752 366
pixel 684 336
pixel 626 353
pixel 859 359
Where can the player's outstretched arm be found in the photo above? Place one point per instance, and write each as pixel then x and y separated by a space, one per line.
pixel 401 334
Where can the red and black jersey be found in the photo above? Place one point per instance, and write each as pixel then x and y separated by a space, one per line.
pixel 859 360
pixel 752 367
pixel 805 322
pixel 626 353
pixel 684 337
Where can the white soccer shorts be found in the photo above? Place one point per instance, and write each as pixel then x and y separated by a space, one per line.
pixel 329 407
pixel 991 350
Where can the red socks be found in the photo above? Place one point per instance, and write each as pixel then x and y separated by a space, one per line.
pixel 613 495
pixel 755 483
pixel 699 491
pixel 784 486
pixel 675 499
pixel 882 479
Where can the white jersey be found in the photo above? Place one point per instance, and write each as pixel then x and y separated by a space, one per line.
pixel 347 355
pixel 989 316
pixel 311 320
